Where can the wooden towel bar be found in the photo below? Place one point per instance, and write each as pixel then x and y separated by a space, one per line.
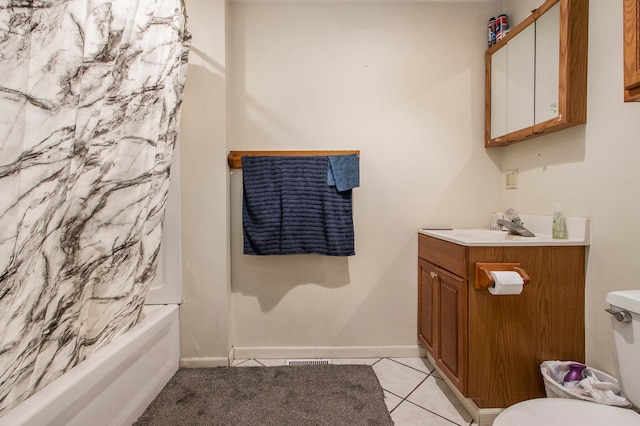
pixel 235 157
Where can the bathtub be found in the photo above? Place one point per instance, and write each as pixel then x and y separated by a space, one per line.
pixel 115 384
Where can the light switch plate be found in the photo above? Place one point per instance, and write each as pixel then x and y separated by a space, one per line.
pixel 511 179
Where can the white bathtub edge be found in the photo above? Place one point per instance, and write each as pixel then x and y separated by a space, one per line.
pixel 119 380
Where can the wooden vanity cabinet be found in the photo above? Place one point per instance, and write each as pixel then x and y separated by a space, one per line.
pixel 490 347
pixel 442 311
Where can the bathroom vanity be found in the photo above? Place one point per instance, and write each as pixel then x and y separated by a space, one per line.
pixel 489 347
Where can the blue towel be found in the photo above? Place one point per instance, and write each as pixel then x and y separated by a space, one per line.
pixel 288 208
pixel 344 172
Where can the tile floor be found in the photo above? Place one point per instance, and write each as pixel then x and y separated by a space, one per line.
pixel 413 391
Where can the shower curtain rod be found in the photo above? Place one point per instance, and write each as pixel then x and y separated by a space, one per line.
pixel 235 157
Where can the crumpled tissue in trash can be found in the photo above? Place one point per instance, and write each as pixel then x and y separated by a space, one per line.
pixel 603 392
pixel 591 387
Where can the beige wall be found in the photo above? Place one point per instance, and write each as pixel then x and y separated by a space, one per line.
pixel 404 83
pixel 204 313
pixel 592 171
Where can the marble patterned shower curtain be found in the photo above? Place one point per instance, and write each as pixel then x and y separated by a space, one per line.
pixel 90 94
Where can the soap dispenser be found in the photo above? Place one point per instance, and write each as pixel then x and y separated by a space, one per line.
pixel 559 230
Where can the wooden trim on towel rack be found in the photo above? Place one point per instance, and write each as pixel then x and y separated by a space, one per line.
pixel 235 157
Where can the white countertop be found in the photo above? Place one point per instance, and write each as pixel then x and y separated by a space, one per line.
pixel 578 229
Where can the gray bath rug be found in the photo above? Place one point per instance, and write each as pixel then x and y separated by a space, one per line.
pixel 293 395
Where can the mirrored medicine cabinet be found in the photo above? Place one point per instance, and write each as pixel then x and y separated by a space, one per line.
pixel 536 77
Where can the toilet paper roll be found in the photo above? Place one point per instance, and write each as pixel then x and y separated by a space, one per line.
pixel 506 282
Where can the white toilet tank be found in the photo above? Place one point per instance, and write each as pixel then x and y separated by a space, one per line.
pixel 626 341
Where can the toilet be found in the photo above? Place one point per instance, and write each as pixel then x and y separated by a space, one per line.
pixel 562 411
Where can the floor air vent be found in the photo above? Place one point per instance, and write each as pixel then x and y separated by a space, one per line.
pixel 308 362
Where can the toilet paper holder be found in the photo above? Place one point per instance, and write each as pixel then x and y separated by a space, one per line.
pixel 483 273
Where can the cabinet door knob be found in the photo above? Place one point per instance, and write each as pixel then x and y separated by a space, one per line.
pixel 433 274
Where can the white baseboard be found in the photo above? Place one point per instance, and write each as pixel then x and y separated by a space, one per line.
pixel 208 362
pixel 334 352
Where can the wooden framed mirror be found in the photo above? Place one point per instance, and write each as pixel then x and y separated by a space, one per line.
pixel 631 50
pixel 536 77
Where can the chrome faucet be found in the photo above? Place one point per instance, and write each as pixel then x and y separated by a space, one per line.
pixel 514 224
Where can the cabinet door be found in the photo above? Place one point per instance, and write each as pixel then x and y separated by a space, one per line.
pixel 547 64
pixel 631 50
pixel 453 328
pixel 499 93
pixel 427 307
pixel 520 80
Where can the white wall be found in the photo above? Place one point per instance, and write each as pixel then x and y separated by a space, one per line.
pixel 592 171
pixel 204 313
pixel 404 84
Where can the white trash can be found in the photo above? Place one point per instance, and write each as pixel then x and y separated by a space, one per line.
pixel 595 386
